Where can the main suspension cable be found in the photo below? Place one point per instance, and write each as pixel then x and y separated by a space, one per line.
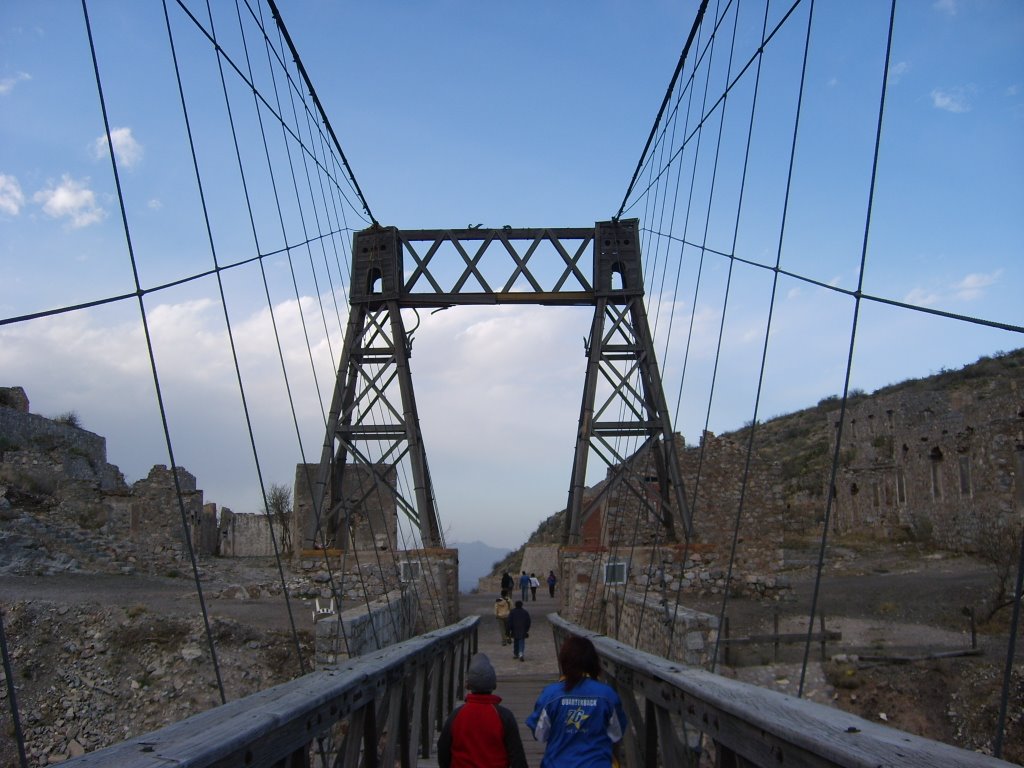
pixel 664 103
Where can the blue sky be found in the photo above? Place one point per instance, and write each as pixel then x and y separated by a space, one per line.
pixel 527 114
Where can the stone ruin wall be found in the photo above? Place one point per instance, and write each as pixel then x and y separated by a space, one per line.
pixel 156 517
pixel 934 464
pixel 714 503
pixel 650 620
pixel 938 467
pixel 50 458
pixel 374 564
pixel 140 523
pixel 365 628
pixel 930 465
pixel 248 535
pixel 375 526
pixel 64 470
pixel 85 503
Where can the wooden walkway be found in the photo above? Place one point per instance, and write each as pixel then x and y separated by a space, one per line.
pixel 519 682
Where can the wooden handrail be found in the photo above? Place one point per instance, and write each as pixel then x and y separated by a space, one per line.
pixel 386 697
pixel 747 725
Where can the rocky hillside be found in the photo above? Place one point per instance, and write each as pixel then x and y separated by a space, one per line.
pixel 99 608
pixel 548 532
pixel 90 675
pixel 799 444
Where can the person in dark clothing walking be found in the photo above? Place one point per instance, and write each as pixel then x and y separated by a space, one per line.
pixel 519 626
pixel 552 580
pixel 481 732
pixel 506 584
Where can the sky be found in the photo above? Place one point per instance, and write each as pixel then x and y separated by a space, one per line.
pixel 529 114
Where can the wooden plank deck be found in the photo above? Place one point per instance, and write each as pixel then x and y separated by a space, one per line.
pixel 519 682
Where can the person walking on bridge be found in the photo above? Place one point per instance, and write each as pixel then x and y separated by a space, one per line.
pixel 519 626
pixel 552 580
pixel 506 585
pixel 524 586
pixel 502 608
pixel 481 733
pixel 580 719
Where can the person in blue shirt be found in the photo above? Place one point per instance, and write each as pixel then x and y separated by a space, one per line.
pixel 579 717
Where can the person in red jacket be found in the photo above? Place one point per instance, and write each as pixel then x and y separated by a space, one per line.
pixel 481 733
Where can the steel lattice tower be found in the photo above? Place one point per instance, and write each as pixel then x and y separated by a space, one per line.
pixel 373 421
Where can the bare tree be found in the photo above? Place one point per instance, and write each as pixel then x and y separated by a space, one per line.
pixel 999 544
pixel 279 508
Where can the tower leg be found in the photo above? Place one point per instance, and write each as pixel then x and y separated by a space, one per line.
pixel 373 425
pixel 623 398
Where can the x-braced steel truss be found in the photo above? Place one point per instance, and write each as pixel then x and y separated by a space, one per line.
pixel 373 421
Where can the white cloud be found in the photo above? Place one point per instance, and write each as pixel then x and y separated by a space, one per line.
pixel 954 100
pixel 7 83
pixel 793 293
pixel 973 285
pixel 128 150
pixel 154 204
pixel 1013 90
pixel 921 297
pixel 11 197
pixel 113 388
pixel 753 333
pixel 946 6
pixel 833 82
pixel 969 288
pixel 898 70
pixel 71 199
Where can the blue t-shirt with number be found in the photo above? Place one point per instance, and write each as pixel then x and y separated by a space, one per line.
pixel 579 725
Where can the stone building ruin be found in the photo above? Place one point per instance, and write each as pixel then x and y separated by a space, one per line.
pixel 374 520
pixel 56 487
pixel 939 461
pixel 931 463
pixel 61 471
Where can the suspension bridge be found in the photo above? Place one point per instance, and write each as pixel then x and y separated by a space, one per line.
pixel 730 205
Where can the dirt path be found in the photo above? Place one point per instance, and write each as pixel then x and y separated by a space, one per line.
pixel 909 600
pixel 158 594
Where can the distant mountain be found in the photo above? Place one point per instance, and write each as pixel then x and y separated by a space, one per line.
pixel 475 560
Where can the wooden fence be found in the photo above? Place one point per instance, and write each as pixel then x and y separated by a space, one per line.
pixel 776 638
